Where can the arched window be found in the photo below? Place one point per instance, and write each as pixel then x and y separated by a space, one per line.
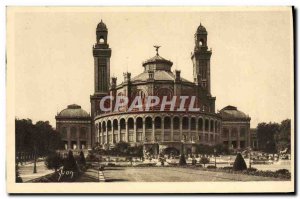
pixel 216 126
pixel 139 123
pixel 73 132
pixel 122 124
pixel 64 133
pixel 167 122
pixel 101 40
pixel 193 123
pixel 109 125
pixel 225 133
pixel 234 132
pixel 115 124
pixel 185 123
pixel 200 43
pixel 130 123
pixel 83 133
pixel 211 125
pixel 176 124
pixel 157 122
pixel 148 123
pixel 243 132
pixel 103 127
pixel 200 124
pixel 206 125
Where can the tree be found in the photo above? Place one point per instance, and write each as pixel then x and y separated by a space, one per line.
pixel 39 137
pixel 204 161
pixel 82 160
pixel 239 163
pixel 53 161
pixel 283 137
pixel 182 160
pixel 266 136
pixel 70 163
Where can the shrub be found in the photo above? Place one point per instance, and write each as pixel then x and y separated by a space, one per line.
pixel 182 160
pixel 204 161
pixel 82 160
pixel 227 168
pixel 70 163
pixel 282 172
pixel 53 161
pixel 211 167
pixel 252 169
pixel 239 163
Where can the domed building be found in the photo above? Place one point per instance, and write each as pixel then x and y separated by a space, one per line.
pixel 235 128
pixel 157 130
pixel 173 127
pixel 74 125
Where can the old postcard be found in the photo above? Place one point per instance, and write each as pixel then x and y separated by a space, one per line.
pixel 150 100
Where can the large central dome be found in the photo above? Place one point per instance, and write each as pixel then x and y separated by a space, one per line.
pixel 157 63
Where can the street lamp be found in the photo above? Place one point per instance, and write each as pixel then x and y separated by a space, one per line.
pixel 34 163
pixel 249 157
pixel 215 152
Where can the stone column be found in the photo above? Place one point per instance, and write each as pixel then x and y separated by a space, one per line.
pixel 134 130
pixel 69 137
pixel 106 132
pixel 153 130
pixel 112 131
pixel 162 129
pixel 78 140
pixel 172 131
pixel 119 131
pixel 189 129
pixel 126 132
pixel 144 130
pixel 197 132
pixel 102 135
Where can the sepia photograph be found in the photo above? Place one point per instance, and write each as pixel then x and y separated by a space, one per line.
pixel 150 100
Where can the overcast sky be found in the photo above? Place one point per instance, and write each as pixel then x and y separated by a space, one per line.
pixel 251 65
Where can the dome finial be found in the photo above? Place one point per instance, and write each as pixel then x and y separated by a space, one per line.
pixel 157 47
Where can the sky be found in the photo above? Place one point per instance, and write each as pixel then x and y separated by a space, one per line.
pixel 251 62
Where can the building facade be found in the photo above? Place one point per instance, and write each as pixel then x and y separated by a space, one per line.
pixel 74 125
pixel 159 130
pixel 235 128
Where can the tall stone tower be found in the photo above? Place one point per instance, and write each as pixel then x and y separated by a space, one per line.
pixel 102 54
pixel 201 60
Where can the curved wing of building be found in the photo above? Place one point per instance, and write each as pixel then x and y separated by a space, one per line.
pixel 159 128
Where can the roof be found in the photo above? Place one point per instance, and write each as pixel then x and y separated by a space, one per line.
pixel 158 75
pixel 73 111
pixel 201 29
pixel 157 59
pixel 232 113
pixel 101 26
